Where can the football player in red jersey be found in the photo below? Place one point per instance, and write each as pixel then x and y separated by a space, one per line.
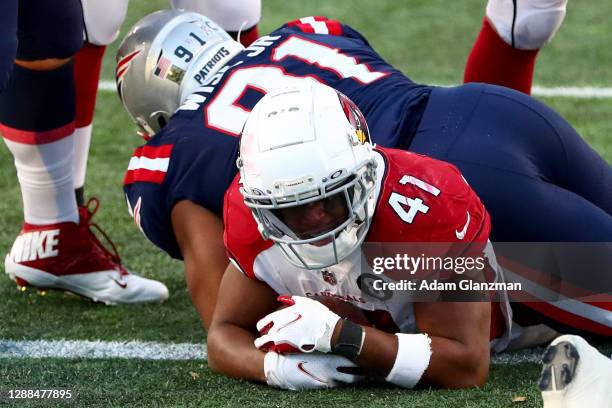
pixel 290 224
pixel 317 214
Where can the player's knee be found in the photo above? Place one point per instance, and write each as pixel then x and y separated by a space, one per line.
pixel 44 64
pixel 532 25
pixel 102 22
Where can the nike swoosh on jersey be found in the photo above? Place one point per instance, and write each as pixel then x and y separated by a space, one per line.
pixel 461 234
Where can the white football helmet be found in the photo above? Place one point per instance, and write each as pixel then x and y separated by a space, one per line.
pixel 308 173
pixel 163 58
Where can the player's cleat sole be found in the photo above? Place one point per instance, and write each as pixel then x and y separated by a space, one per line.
pixel 108 287
pixel 559 366
pixel 575 375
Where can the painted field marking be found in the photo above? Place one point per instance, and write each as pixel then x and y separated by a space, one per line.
pixel 579 92
pixel 147 350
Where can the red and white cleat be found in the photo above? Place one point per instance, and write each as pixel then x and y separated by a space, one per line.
pixel 70 257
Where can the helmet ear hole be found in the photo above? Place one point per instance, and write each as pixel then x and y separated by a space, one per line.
pixel 160 118
pixel 161 121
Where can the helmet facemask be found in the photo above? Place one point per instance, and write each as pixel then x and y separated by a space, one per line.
pixel 344 207
pixel 309 173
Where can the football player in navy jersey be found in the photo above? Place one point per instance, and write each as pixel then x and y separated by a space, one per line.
pixel 56 247
pixel 190 89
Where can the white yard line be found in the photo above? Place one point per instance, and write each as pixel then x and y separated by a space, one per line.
pixel 580 92
pixel 584 92
pixel 150 350
pixel 146 350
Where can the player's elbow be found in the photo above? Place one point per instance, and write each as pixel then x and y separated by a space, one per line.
pixel 474 370
pixel 477 376
pixel 214 350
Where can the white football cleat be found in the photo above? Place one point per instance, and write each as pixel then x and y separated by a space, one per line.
pixel 69 257
pixel 575 375
pixel 526 24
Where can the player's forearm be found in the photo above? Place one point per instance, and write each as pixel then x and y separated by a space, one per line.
pixel 231 352
pixel 377 352
pixel 449 363
pixel 203 285
pixel 456 365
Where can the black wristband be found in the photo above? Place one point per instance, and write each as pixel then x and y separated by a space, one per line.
pixel 350 340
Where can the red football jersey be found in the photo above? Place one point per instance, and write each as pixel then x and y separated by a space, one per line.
pixel 424 206
pixel 420 200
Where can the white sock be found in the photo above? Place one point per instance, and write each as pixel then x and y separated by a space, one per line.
pixel 82 140
pixel 45 176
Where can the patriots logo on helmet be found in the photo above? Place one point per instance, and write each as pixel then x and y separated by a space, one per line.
pixel 123 65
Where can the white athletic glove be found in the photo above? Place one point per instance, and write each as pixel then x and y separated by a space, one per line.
pixel 307 371
pixel 305 326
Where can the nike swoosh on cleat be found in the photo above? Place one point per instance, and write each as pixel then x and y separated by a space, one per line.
pixel 122 285
pixel 461 234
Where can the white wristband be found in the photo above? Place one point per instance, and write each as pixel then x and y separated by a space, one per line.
pixel 411 361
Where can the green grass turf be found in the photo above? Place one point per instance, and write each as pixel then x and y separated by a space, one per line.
pixel 121 383
pixel 429 41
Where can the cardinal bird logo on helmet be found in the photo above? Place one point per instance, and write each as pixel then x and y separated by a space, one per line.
pixel 355 118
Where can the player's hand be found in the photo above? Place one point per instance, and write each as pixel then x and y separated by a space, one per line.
pixel 308 371
pixel 305 326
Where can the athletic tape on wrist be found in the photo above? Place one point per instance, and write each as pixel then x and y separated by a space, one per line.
pixel 350 341
pixel 411 361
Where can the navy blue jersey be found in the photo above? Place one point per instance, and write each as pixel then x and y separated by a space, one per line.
pixel 193 157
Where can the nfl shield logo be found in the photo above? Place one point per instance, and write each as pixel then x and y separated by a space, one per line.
pixel 329 277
